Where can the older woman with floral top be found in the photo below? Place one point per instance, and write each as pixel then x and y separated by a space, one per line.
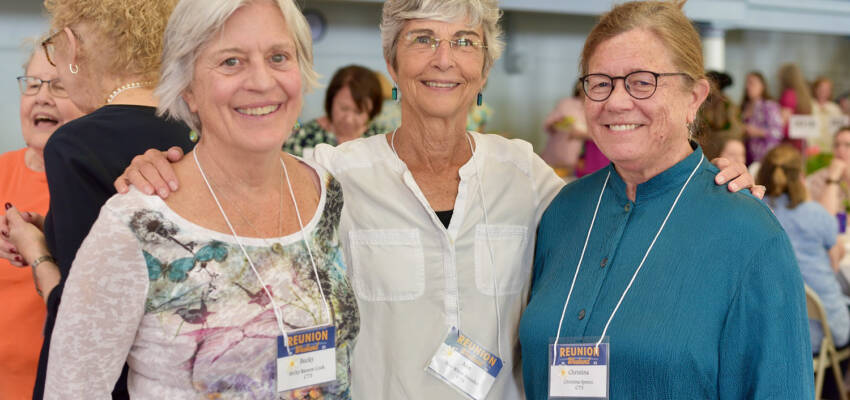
pixel 213 292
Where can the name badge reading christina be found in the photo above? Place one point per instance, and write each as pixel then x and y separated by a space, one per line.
pixel 579 371
pixel 465 365
pixel 312 360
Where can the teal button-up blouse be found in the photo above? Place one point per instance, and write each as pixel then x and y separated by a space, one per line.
pixel 717 311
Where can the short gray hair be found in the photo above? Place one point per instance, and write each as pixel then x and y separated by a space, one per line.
pixel 191 26
pixel 479 12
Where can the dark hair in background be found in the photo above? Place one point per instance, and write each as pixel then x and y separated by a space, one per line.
pixel 715 109
pixel 765 93
pixel 364 86
pixel 780 172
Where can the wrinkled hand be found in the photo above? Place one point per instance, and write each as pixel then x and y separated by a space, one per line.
pixel 837 168
pixel 738 177
pixel 24 237
pixel 151 171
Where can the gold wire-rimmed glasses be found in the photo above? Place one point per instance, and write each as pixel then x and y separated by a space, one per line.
pixel 30 85
pixel 421 41
pixel 639 84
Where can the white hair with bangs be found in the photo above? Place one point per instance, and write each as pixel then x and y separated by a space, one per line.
pixel 190 28
pixel 478 12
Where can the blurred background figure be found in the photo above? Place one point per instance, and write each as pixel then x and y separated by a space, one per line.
pixel 107 55
pixel 795 98
pixel 823 108
pixel 761 117
pixel 733 150
pixel 719 121
pixel 829 186
pixel 813 232
pixel 44 107
pixel 352 100
pixel 569 148
pixel 844 103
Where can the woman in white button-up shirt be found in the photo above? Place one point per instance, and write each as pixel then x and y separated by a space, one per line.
pixel 438 223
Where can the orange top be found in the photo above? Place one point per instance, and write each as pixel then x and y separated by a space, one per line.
pixel 23 311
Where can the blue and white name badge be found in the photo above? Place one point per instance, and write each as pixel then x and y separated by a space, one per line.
pixel 312 361
pixel 465 365
pixel 579 371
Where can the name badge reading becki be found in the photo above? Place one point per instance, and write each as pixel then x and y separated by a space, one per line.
pixel 580 370
pixel 312 360
pixel 465 365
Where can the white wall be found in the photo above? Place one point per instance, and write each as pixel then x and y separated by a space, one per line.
pixel 545 46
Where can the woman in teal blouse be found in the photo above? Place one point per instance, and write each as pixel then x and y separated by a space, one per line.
pixel 695 290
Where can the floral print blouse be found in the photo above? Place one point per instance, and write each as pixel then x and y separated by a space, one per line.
pixel 182 306
pixel 304 139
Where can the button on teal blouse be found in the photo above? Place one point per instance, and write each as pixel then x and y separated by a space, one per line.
pixel 717 311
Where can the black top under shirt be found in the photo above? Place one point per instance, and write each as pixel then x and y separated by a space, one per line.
pixel 82 159
pixel 445 217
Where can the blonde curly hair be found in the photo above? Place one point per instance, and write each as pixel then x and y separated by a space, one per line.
pixel 124 35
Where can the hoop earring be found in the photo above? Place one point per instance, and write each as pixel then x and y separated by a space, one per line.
pixel 395 94
pixel 74 68
pixel 480 99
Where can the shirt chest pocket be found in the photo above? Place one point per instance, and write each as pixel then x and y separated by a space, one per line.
pixel 509 266
pixel 387 264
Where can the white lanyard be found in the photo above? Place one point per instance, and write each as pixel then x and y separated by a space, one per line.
pixel 578 266
pixel 489 245
pixel 277 314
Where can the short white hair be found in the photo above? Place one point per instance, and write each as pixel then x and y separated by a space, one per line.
pixel 191 26
pixel 478 12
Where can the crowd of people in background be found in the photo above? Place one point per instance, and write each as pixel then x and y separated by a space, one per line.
pixel 394 218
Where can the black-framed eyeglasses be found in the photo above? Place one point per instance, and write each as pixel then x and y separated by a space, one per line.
pixel 639 84
pixel 30 85
pixel 47 45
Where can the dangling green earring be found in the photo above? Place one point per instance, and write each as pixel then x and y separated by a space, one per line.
pixel 480 99
pixel 193 136
pixel 395 94
pixel 297 125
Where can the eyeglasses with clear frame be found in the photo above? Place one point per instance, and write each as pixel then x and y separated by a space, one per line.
pixel 639 84
pixel 421 41
pixel 30 85
pixel 47 45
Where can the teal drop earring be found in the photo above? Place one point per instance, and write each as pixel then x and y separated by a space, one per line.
pixel 395 94
pixel 480 99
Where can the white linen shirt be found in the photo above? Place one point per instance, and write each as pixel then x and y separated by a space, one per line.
pixel 414 279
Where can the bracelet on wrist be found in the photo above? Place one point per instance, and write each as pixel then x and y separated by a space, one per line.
pixel 41 260
pixel 35 264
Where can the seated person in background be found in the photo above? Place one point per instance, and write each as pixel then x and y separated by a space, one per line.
pixel 569 145
pixel 733 150
pixel 718 116
pixel 352 100
pixel 829 186
pixel 45 106
pixel 823 108
pixel 812 231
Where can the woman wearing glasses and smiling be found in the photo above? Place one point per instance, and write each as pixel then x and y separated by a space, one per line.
pixel 44 108
pixel 438 223
pixel 636 255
